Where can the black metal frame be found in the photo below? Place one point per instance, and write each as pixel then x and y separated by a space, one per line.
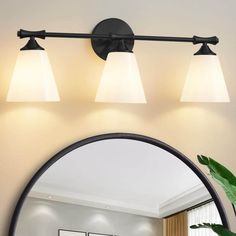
pixel 106 33
pixel 108 136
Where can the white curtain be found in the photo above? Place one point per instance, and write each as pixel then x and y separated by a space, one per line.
pixel 207 213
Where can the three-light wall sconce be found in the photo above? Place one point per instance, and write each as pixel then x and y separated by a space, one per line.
pixel 113 40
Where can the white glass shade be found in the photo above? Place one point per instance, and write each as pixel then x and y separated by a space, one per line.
pixel 205 81
pixel 32 79
pixel 120 81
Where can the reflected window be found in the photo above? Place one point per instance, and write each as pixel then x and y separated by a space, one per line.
pixel 206 213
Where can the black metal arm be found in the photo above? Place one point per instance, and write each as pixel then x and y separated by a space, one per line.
pixel 43 34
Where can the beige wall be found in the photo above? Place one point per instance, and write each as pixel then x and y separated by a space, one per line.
pixel 31 133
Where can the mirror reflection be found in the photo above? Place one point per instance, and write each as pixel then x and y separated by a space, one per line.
pixel 117 187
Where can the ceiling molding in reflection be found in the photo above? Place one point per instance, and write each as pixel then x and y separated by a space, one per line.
pixel 189 198
pixel 185 200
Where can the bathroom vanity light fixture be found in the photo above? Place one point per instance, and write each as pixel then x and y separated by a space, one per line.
pixel 113 40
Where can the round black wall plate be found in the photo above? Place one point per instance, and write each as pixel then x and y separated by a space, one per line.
pixel 111 26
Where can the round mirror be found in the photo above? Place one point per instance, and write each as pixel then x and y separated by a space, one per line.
pixel 117 184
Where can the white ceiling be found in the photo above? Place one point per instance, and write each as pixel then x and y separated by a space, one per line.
pixel 122 175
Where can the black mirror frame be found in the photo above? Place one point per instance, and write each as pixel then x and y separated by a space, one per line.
pixel 107 136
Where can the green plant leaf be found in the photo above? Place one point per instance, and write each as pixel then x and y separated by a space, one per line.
pixel 227 180
pixel 203 160
pixel 221 175
pixel 219 229
pixel 229 189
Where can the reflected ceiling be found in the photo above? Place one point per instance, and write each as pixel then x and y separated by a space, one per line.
pixel 123 175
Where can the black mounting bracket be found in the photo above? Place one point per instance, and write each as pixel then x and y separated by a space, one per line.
pixel 111 27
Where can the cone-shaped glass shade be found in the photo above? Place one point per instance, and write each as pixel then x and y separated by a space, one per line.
pixel 121 82
pixel 32 79
pixel 205 81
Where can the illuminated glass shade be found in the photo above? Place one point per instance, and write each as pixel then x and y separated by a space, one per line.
pixel 205 81
pixel 32 79
pixel 121 82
